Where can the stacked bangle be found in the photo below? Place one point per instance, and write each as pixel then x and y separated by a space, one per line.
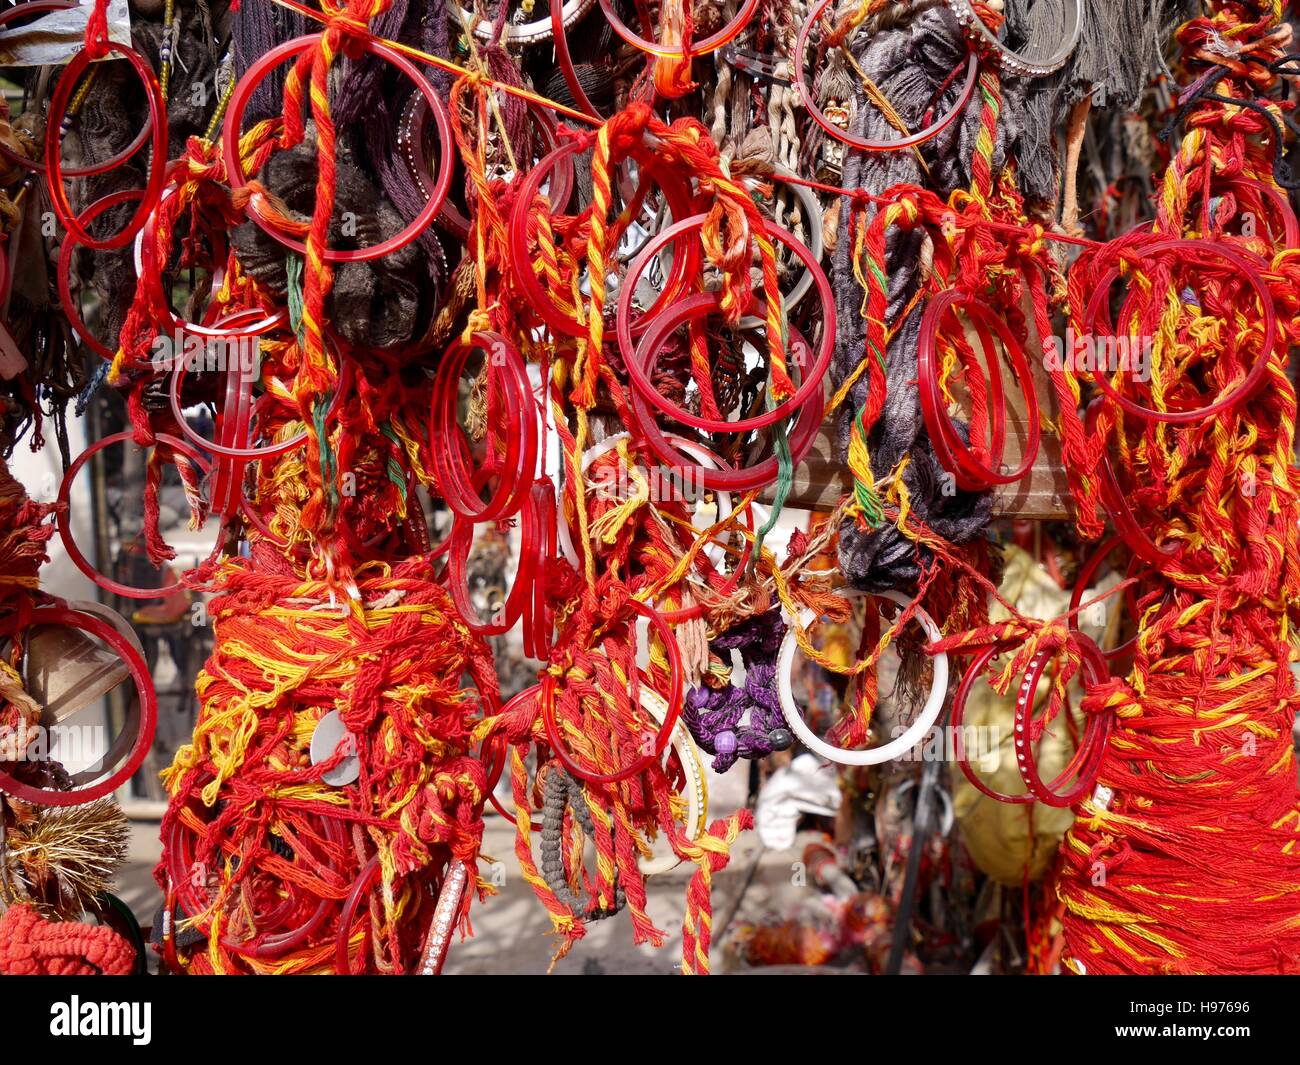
pixel 1092 748
pixel 954 454
pixel 508 379
pixel 157 160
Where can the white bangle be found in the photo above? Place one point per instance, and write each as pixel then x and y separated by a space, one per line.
pixel 523 33
pixel 872 755
pixel 1017 65
pixel 697 795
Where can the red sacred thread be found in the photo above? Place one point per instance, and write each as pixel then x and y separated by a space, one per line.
pixel 317 375
pixel 1185 858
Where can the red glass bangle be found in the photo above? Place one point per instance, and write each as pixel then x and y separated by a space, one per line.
pixel 269 943
pixel 543 513
pixel 728 33
pixel 956 455
pixel 1117 506
pixel 546 702
pixel 157 162
pixel 133 749
pixel 64 269
pixel 65 531
pixel 1092 747
pixel 961 461
pixel 676 195
pixel 866 144
pixel 1194 251
pixel 254 76
pixel 237 448
pixel 462 534
pixel 743 479
pixel 456 483
pixel 40 7
pixel 1080 765
pixel 661 326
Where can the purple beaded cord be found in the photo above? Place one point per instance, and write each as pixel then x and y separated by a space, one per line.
pixel 713 716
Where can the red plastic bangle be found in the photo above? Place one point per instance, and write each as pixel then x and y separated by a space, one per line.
pixel 865 143
pixel 65 532
pixel 728 33
pixel 39 7
pixel 64 270
pixel 1195 251
pixel 1092 747
pixel 745 479
pixel 685 264
pixel 147 708
pixel 266 944
pixel 451 472
pixel 970 473
pixel 546 702
pixel 238 179
pixel 157 162
pixel 661 326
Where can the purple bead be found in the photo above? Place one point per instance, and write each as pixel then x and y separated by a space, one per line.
pixel 724 743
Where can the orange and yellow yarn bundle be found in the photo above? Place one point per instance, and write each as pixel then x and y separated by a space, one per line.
pixel 276 863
